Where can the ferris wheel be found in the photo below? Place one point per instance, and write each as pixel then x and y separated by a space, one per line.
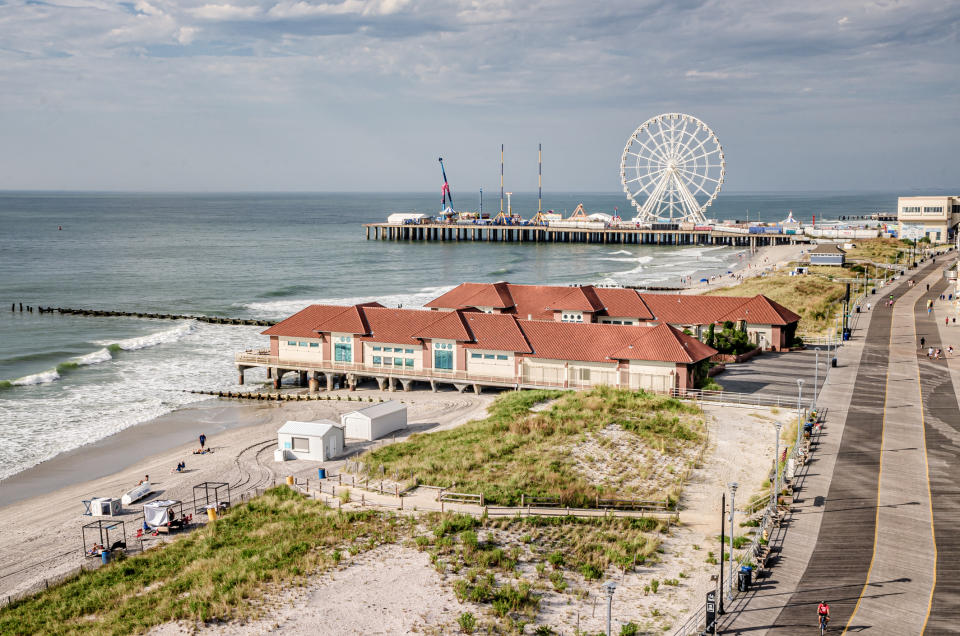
pixel 672 169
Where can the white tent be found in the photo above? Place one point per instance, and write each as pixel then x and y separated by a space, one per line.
pixel 399 218
pixel 375 421
pixel 159 513
pixel 319 441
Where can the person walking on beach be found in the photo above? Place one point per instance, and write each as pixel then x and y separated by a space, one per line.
pixel 203 440
pixel 923 341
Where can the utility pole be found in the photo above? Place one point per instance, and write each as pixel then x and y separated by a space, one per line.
pixel 733 494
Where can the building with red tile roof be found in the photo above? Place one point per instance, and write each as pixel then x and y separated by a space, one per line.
pixel 768 324
pixel 470 347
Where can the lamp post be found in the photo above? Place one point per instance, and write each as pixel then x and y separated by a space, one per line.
pixel 609 588
pixel 799 415
pixel 776 469
pixel 816 377
pixel 733 492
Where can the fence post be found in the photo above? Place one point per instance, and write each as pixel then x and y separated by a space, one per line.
pixel 362 500
pixel 481 501
pixel 522 497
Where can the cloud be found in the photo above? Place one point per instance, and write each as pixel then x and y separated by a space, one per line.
pixel 225 12
pixel 715 75
pixel 185 34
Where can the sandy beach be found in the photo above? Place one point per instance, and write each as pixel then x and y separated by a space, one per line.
pixel 40 535
pixel 766 259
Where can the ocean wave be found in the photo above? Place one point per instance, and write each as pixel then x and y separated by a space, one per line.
pixel 44 377
pixel 639 259
pixel 149 340
pixel 500 272
pixel 284 308
pixel 289 290
pixel 621 252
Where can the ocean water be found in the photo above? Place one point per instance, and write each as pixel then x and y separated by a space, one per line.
pixel 66 381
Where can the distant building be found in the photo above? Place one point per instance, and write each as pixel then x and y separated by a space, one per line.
pixel 933 217
pixel 827 254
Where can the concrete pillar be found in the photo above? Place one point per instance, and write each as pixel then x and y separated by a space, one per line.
pixel 352 381
pixel 406 384
pixel 390 384
pixel 277 378
pixel 460 387
pixel 302 378
pixel 240 381
pixel 381 382
pixel 314 383
pixel 433 385
pixel 476 389
pixel 329 381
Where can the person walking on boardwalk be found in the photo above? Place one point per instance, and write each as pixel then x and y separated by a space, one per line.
pixel 203 440
pixel 923 341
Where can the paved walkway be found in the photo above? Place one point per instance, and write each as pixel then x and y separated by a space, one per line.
pixel 857 522
pixel 941 386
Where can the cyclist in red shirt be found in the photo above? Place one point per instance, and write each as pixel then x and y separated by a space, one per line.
pixel 823 615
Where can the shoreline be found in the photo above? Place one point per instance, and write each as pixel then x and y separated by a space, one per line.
pixel 40 531
pixel 125 448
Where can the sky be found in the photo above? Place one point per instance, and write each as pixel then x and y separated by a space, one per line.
pixel 353 95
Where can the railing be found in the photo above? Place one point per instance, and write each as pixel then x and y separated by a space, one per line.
pixel 740 399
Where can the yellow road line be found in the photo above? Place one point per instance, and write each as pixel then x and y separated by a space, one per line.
pixel 876 520
pixel 926 461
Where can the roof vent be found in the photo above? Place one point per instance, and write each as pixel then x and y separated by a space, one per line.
pixel 529 316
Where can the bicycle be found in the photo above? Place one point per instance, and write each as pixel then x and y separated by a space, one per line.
pixel 823 624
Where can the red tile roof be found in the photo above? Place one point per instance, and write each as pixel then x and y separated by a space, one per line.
pixel 761 310
pixel 303 324
pixel 396 325
pixel 447 325
pixel 496 331
pixel 624 303
pixel 678 309
pixel 494 295
pixel 591 342
pixel 666 344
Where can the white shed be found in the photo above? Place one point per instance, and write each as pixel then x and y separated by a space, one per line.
pixel 319 441
pixel 375 421
pixel 400 218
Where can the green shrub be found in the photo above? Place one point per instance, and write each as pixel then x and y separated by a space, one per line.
pixel 590 572
pixel 467 622
pixel 556 559
pixel 629 629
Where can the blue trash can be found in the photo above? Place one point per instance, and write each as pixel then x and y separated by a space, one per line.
pixel 745 579
pixel 322 473
pixel 105 557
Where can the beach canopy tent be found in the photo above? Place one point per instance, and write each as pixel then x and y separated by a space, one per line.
pixel 375 421
pixel 211 494
pixel 162 512
pixel 101 535
pixel 318 441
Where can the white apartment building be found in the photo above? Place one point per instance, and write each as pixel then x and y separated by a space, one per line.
pixel 935 217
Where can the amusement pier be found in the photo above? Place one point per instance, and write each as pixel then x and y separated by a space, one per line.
pixel 671 235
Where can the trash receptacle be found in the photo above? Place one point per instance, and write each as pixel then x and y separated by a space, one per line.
pixel 745 578
pixel 321 473
pixel 857 309
pixel 833 363
pixel 105 556
pixel 873 291
pixel 846 334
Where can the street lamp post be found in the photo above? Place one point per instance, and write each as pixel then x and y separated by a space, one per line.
pixel 776 469
pixel 609 588
pixel 733 492
pixel 799 414
pixel 816 377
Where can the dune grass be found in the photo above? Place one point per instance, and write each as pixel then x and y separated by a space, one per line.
pixel 516 451
pixel 210 574
pixel 816 297
pixel 878 250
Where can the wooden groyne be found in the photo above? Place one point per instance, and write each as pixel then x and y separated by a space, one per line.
pixel 215 320
pixel 283 397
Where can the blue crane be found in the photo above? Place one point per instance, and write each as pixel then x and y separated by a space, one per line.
pixel 445 193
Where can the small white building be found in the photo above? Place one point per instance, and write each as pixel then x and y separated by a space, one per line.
pixel 375 421
pixel 318 441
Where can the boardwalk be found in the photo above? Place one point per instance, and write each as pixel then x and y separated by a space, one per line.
pixel 942 427
pixel 874 558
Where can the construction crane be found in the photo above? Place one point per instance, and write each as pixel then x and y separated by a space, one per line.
pixel 445 193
